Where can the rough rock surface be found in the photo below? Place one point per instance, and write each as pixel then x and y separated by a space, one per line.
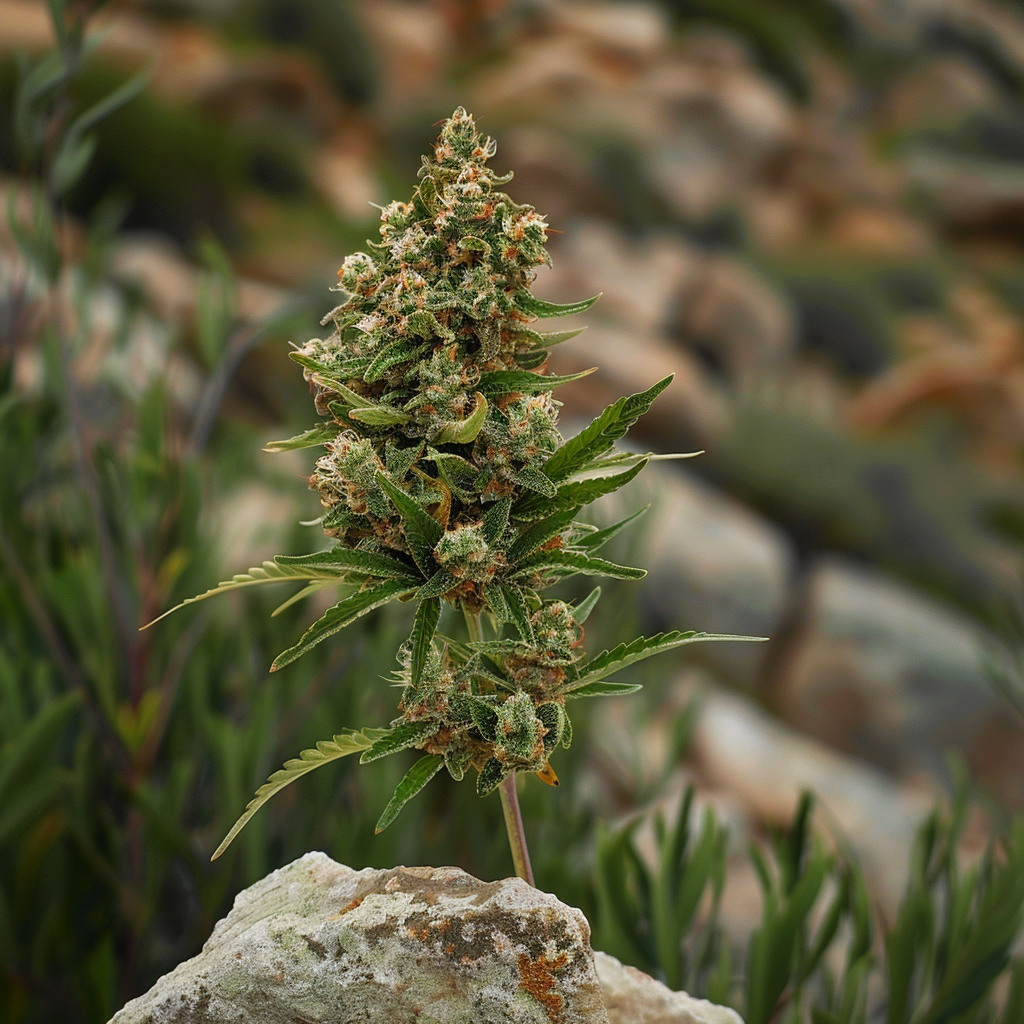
pixel 893 677
pixel 319 943
pixel 632 997
pixel 766 766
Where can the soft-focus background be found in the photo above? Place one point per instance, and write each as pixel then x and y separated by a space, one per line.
pixel 812 211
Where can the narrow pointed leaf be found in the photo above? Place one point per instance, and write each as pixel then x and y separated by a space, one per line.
pixel 345 743
pixel 532 359
pixel 574 562
pixel 605 690
pixel 596 541
pixel 438 585
pixel 503 382
pixel 597 438
pixel 496 519
pixel 269 572
pixel 354 560
pixel 307 439
pixel 379 416
pixel 400 737
pixel 335 384
pixel 540 533
pixel 576 493
pixel 494 595
pixel 297 597
pixel 415 779
pixel 422 530
pixel 519 613
pixel 428 612
pixel 643 647
pixel 341 615
pixel 582 611
pixel 540 307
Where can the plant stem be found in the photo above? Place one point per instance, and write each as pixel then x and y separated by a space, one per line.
pixel 509 798
pixel 514 827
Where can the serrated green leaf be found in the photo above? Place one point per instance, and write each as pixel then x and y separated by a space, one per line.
pixel 605 690
pixel 496 383
pixel 392 355
pixel 533 479
pixel 414 780
pixel 540 533
pixel 398 737
pixel 597 438
pixel 491 776
pixel 349 742
pixel 574 494
pixel 269 572
pixel 400 460
pixel 496 603
pixel 464 431
pixel 437 586
pixel 532 359
pixel 519 613
pixel 341 615
pixel 571 562
pixel 496 519
pixel 529 303
pixel 378 415
pixel 355 561
pixel 596 541
pixel 643 647
pixel 428 612
pixel 422 530
pixel 329 382
pixel 307 439
pixel 549 338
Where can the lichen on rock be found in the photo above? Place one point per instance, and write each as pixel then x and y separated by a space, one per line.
pixel 320 942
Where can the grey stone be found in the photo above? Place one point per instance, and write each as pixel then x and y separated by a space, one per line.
pixel 318 942
pixel 894 677
pixel 766 766
pixel 632 997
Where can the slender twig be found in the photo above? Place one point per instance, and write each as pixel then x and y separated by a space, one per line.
pixel 507 790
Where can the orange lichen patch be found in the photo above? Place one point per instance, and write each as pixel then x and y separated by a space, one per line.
pixel 351 905
pixel 537 977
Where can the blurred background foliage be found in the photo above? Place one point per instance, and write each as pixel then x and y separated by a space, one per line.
pixel 811 210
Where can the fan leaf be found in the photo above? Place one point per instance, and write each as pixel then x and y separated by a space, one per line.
pixel 428 612
pixel 307 439
pixel 269 572
pixel 643 647
pixel 597 438
pixel 341 615
pixel 413 781
pixel 350 741
pixel 422 530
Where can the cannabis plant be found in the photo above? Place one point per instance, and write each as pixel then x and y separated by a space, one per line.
pixel 445 482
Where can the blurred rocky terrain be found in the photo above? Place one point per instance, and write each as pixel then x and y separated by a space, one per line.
pixel 811 212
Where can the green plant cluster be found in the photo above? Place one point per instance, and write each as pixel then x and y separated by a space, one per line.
pixel 446 481
pixel 820 952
